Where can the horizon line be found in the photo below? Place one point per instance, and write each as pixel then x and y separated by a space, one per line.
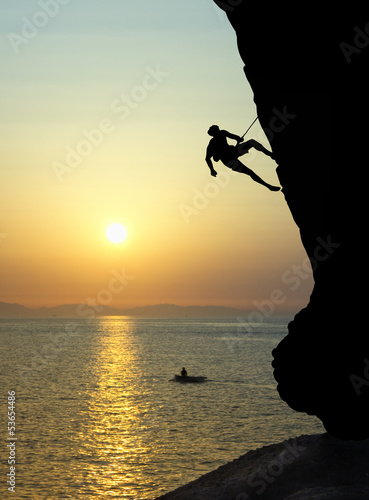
pixel 259 312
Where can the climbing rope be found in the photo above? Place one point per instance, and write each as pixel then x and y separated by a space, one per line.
pixel 249 127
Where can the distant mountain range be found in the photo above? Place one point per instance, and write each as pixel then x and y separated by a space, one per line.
pixel 155 311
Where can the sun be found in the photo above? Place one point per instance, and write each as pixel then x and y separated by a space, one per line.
pixel 116 233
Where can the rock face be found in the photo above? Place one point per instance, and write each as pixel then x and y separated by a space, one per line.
pixel 309 71
pixel 317 467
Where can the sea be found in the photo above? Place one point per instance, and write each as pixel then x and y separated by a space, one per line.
pixel 89 408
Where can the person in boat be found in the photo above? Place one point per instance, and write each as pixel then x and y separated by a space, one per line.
pixel 184 372
pixel 219 149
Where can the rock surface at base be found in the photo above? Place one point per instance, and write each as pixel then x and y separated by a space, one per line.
pixel 316 467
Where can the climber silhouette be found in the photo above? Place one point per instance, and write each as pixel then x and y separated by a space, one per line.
pixel 219 149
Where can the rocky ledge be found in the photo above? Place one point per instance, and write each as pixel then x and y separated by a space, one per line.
pixel 317 467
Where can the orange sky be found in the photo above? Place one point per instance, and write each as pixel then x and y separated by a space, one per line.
pixel 108 124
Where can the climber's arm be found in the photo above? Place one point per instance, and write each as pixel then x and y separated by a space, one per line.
pixel 208 157
pixel 234 137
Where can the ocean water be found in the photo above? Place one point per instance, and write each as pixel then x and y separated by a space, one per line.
pixel 98 415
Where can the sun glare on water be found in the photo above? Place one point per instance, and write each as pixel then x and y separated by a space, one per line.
pixel 116 233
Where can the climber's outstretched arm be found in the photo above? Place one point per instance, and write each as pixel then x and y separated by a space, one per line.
pixel 233 136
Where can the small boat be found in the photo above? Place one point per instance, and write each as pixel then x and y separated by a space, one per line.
pixel 187 378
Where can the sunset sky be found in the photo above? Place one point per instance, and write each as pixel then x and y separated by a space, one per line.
pixel 105 109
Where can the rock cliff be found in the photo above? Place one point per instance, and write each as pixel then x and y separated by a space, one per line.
pixel 308 69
